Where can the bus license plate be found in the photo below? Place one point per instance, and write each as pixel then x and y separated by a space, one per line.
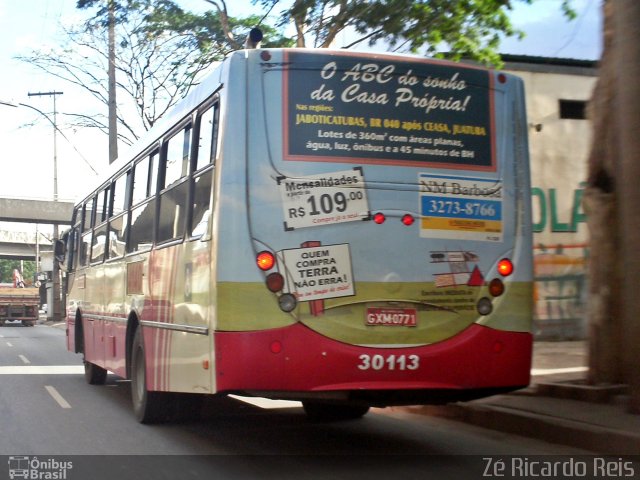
pixel 393 317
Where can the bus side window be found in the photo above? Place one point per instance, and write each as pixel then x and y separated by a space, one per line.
pixel 88 215
pixel 207 135
pixel 85 248
pixel 173 199
pixel 140 181
pixel 119 217
pixel 73 247
pixel 102 206
pixel 203 176
pixel 143 204
pixel 99 243
pixel 201 203
pixel 87 231
pixel 119 203
pixel 177 157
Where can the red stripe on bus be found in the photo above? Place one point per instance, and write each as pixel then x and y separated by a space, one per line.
pixel 479 357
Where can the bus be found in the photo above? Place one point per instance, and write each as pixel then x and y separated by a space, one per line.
pixel 348 230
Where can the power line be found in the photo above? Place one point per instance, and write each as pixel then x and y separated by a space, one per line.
pixel 576 29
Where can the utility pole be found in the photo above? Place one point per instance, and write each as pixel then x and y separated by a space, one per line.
pixel 54 310
pixel 113 119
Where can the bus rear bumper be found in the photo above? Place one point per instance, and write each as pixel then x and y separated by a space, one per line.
pixel 298 363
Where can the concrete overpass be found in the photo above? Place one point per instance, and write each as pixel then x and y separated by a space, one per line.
pixel 22 245
pixel 35 211
pixel 18 247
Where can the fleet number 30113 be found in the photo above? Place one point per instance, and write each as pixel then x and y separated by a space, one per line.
pixel 389 362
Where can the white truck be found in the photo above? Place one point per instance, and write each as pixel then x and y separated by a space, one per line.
pixel 19 303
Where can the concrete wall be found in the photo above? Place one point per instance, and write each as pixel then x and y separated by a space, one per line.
pixel 559 152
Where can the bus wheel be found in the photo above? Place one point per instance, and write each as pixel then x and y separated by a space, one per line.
pixel 149 407
pixel 323 412
pixel 93 374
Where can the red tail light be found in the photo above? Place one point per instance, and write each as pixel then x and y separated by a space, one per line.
pixel 275 282
pixel 408 220
pixel 379 218
pixel 265 260
pixel 496 287
pixel 505 267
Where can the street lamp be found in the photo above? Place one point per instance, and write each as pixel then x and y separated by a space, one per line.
pixel 54 311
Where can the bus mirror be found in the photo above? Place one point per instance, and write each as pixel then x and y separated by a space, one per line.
pixel 60 250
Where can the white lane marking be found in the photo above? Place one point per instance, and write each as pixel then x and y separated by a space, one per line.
pixel 24 359
pixel 42 370
pixel 9 344
pixel 57 397
pixel 551 371
pixel 266 403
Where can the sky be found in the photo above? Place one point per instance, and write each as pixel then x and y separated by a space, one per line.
pixel 26 136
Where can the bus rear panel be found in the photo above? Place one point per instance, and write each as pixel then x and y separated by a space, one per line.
pixel 349 230
pixel 373 230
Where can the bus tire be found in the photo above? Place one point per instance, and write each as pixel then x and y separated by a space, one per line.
pixel 149 407
pixel 94 374
pixel 326 412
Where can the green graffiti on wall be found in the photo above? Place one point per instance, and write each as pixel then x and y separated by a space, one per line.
pixel 548 215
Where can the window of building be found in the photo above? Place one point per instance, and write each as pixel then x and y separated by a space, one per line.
pixel 573 109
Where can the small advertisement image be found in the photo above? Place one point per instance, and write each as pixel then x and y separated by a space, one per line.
pixel 386 111
pixel 324 199
pixel 317 273
pixel 461 208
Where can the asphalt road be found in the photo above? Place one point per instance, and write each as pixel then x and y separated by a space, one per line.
pixel 47 410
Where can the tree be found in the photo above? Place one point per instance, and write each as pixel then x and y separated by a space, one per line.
pixel 611 200
pixel 8 266
pixel 162 51
pixel 214 34
pixel 155 68
pixel 470 29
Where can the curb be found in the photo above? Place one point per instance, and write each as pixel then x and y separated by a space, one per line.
pixel 548 428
